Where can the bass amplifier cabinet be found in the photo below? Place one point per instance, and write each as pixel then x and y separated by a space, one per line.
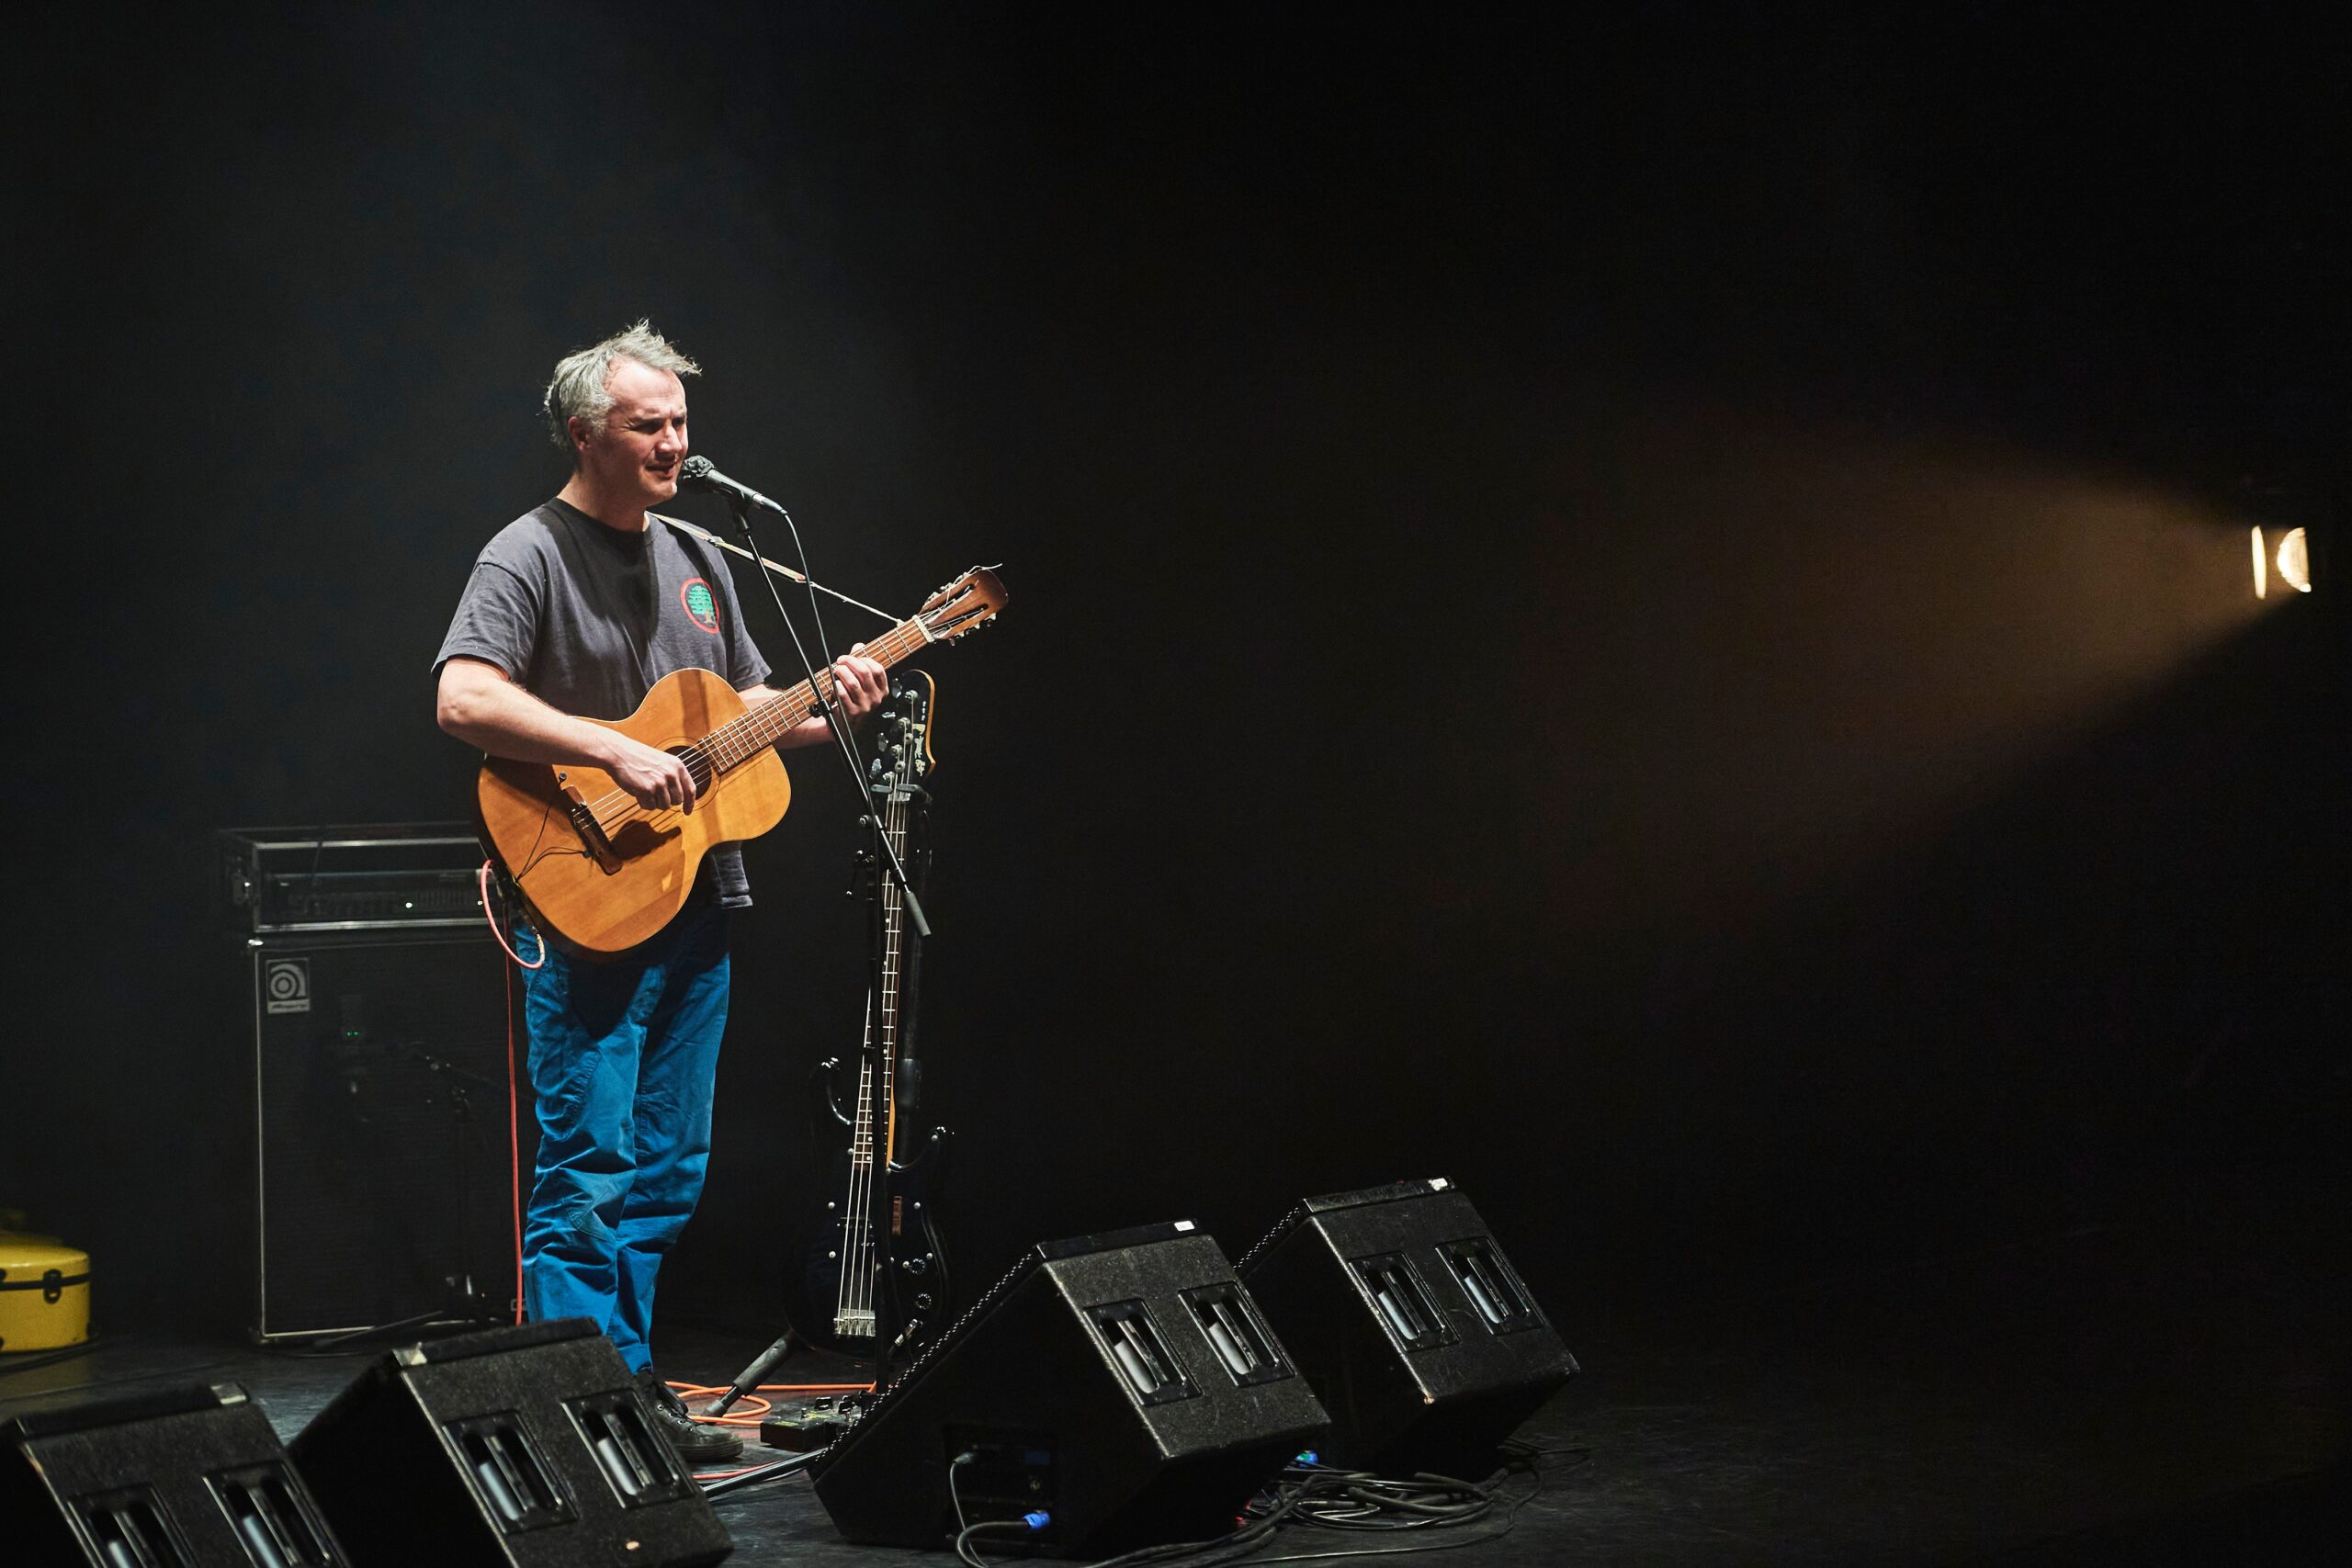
pixel 1122 1385
pixel 180 1478
pixel 383 1154
pixel 1412 1326
pixel 519 1447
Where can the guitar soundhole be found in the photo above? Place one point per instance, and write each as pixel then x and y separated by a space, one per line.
pixel 698 767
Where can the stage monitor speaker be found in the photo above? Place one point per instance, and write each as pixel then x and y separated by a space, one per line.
pixel 1420 1337
pixel 1123 1385
pixel 517 1448
pixel 383 1154
pixel 182 1478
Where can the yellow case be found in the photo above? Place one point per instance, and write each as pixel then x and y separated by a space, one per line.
pixel 44 1294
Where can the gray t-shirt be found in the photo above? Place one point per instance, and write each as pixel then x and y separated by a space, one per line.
pixel 586 619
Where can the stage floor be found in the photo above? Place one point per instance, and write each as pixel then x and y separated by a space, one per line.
pixel 2169 1391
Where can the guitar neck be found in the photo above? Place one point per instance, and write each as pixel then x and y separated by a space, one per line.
pixel 763 727
pixel 882 1023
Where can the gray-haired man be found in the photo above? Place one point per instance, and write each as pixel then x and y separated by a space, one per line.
pixel 573 611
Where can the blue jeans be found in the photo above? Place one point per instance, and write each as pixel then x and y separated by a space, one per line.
pixel 624 1056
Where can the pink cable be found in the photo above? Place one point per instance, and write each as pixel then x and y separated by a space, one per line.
pixel 484 878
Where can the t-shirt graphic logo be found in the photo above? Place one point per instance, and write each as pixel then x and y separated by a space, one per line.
pixel 701 608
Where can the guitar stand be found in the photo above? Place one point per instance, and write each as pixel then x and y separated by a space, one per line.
pixel 464 1304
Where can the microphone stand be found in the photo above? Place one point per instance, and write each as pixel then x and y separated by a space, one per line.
pixel 886 860
pixel 831 707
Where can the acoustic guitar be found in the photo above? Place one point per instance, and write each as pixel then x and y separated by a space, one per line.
pixel 601 872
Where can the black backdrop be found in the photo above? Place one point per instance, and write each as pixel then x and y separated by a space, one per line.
pixel 1650 617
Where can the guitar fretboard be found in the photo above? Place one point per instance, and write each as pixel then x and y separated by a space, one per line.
pixel 746 737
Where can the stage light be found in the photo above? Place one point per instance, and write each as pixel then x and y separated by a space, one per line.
pixel 2289 561
pixel 2295 561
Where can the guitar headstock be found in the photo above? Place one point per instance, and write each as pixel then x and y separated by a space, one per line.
pixel 969 602
pixel 903 752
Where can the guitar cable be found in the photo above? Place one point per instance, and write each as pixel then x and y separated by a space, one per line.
pixel 513 1093
pixel 514 1135
pixel 490 915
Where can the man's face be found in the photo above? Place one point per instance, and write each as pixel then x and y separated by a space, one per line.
pixel 636 454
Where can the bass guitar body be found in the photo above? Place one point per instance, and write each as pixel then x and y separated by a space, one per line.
pixel 858 1301
pixel 600 872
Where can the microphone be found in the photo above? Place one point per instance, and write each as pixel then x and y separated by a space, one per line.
pixel 696 473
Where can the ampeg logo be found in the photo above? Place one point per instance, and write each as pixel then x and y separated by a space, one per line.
pixel 701 608
pixel 285 985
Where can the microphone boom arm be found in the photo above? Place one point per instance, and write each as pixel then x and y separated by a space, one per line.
pixel 707 536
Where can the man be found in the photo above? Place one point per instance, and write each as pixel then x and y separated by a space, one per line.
pixel 572 612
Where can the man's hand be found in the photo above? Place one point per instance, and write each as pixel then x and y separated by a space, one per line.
pixel 860 682
pixel 479 704
pixel 656 778
pixel 855 686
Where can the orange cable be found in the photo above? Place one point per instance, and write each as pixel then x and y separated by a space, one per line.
pixel 514 1141
pixel 749 1417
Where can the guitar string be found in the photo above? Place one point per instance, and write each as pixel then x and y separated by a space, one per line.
pixel 857 1281
pixel 607 820
pixel 914 632
pixel 854 1225
pixel 616 808
pixel 881 1017
pixel 729 737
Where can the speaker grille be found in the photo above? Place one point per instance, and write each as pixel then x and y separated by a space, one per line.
pixel 382 1152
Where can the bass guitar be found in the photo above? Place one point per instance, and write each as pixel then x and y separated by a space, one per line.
pixel 601 872
pixel 878 1257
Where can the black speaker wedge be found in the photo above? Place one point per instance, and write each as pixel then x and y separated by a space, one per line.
pixel 1410 1323
pixel 181 1478
pixel 1122 1385
pixel 518 1447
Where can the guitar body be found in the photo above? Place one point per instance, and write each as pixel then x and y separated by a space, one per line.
pixel 596 895
pixel 602 873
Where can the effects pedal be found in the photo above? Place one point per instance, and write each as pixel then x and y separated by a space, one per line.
pixel 809 1426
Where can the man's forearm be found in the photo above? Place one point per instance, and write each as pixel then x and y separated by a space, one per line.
pixel 507 721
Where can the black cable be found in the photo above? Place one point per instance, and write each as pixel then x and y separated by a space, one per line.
pixel 1358 1491
pixel 1317 1497
pixel 104 1385
pixel 1227 1548
pixel 836 718
pixel 1511 1518
pixel 970 1553
pixel 758 1473
pixel 1426 1501
pixel 335 1353
pixel 32 1361
pixel 953 1495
